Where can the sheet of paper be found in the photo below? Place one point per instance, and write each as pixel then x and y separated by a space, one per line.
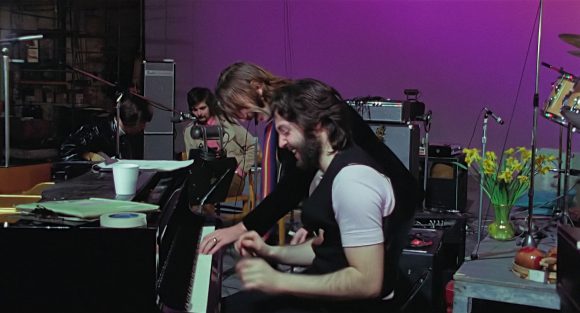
pixel 160 165
pixel 89 208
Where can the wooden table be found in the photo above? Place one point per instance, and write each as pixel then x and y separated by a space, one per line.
pixel 490 278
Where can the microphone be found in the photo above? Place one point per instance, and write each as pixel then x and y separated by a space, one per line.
pixel 183 117
pixel 559 70
pixel 488 112
pixel 425 117
pixel 211 132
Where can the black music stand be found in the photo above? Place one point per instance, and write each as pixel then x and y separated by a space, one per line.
pixel 210 179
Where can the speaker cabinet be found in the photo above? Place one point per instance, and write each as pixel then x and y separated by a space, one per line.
pixel 403 140
pixel 446 183
pixel 420 274
pixel 159 86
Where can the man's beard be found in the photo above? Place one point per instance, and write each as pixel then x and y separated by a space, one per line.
pixel 309 152
pixel 202 120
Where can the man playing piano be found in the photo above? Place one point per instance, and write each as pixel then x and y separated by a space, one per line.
pixel 245 91
pixel 350 212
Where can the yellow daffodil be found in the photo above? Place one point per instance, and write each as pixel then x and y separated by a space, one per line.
pixel 489 167
pixel 507 179
pixel 543 170
pixel 490 155
pixel 525 153
pixel 471 155
pixel 523 179
pixel 506 176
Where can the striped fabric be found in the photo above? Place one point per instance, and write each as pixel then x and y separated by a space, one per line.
pixel 269 164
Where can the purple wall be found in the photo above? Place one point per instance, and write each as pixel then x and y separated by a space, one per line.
pixel 461 55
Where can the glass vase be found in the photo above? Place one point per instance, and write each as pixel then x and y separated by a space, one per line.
pixel 501 228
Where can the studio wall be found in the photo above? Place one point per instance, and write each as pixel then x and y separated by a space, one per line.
pixel 462 55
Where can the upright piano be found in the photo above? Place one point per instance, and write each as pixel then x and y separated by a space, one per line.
pixel 49 266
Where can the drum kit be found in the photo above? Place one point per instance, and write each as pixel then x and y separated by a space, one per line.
pixel 563 107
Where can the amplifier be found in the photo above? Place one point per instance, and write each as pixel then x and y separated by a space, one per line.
pixel 387 111
pixel 450 255
pixel 568 284
pixel 444 150
pixel 453 226
pixel 419 285
pixel 446 183
pixel 403 140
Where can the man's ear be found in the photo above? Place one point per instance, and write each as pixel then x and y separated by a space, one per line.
pixel 258 86
pixel 318 129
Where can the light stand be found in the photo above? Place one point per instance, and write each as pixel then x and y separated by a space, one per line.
pixel 529 240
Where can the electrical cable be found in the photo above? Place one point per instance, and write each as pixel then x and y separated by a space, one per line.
pixel 288 53
pixel 474 128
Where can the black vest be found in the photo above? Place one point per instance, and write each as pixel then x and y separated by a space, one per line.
pixel 318 213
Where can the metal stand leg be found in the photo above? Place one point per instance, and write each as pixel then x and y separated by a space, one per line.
pixel 559 204
pixel 564 217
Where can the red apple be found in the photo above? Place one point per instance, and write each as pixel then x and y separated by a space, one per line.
pixel 529 257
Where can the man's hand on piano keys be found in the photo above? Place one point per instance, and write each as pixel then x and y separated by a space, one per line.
pixel 214 241
pixel 251 244
pixel 257 274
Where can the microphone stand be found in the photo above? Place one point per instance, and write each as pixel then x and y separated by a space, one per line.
pixel 564 217
pixel 6 78
pixel 529 240
pixel 118 132
pixel 559 176
pixel 427 128
pixel 474 254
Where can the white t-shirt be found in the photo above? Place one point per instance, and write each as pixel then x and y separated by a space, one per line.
pixel 361 197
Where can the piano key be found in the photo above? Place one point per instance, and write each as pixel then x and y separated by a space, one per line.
pixel 201 279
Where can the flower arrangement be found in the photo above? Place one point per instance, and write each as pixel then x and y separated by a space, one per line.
pixel 506 182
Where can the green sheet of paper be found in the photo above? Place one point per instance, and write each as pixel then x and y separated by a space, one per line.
pixel 89 208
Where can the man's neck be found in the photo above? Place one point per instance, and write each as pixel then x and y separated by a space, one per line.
pixel 327 154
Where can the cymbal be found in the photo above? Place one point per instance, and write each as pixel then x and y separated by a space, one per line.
pixel 575 53
pixel 572 39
